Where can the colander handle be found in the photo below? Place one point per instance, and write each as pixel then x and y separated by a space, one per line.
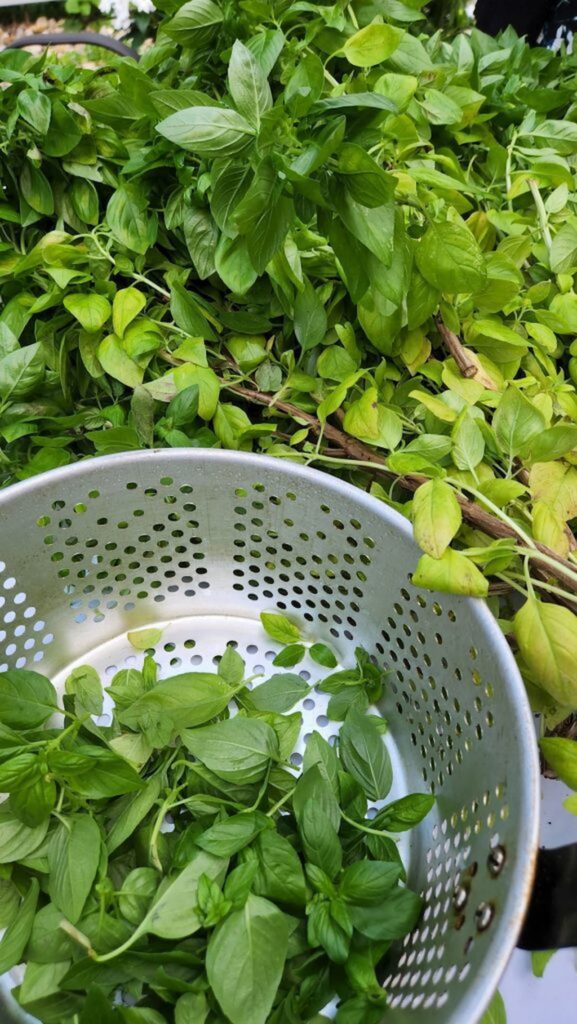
pixel 551 921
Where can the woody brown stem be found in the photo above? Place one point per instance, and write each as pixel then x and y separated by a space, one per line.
pixel 561 569
pixel 457 350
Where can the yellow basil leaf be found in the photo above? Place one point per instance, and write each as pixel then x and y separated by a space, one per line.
pixel 453 573
pixel 547 639
pixel 436 517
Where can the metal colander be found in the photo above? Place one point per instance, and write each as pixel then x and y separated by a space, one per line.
pixel 202 542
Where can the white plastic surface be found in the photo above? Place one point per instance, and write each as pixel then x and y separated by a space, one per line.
pixel 551 999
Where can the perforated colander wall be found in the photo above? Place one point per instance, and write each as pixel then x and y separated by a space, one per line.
pixel 119 543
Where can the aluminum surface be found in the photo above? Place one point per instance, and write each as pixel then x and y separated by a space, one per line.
pixel 203 541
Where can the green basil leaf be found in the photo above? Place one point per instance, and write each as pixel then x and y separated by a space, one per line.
pixel 320 840
pixel 130 220
pixel 316 788
pixel 310 322
pixel 84 684
pixel 138 889
pixel 279 875
pixel 372 44
pixel 405 813
pixel 92 311
pixel 185 700
pixel 21 371
pixel 27 699
pixel 366 883
pixel 201 235
pixel 33 801
pixel 323 655
pixel 208 131
pixel 127 303
pixel 320 753
pixel 436 516
pixel 390 920
pixel 191 1008
pixel 107 775
pixel 279 693
pixel 34 106
pixel 450 259
pixel 496 1013
pixel 248 84
pixel 17 841
pixel 279 628
pixel 73 858
pixel 15 938
pixel 253 942
pixel 364 754
pixel 125 815
pixel 237 750
pixel 289 656
pixel 561 756
pixel 194 23
pixel 225 838
pixel 9 902
pixel 516 421
pixel 325 929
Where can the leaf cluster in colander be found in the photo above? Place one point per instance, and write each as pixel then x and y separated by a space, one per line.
pixel 173 867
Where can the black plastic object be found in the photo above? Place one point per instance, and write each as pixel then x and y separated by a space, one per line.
pixel 551 921
pixel 526 16
pixel 74 39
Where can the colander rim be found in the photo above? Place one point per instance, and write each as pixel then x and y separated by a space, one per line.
pixel 508 923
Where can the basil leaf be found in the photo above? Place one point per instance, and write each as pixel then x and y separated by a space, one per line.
pixel 106 775
pixel 253 942
pixel 320 753
pixel 9 902
pixel 92 311
pixel 73 858
pixel 184 701
pixel 279 693
pixel 138 889
pixel 237 750
pixel 320 840
pixel 27 699
pixel 231 667
pixel 323 655
pixel 405 813
pixel 279 875
pixel 372 44
pixel 191 1008
pixel 126 814
pixel 449 257
pixel 17 841
pixel 310 319
pixel 366 883
pixel 248 84
pixel 13 942
pixel 48 943
pixel 208 131
pixel 316 788
pixel 279 628
pixel 97 1008
pixel 289 656
pixel 364 754
pixel 33 801
pixel 84 683
pixel 390 920
pixel 225 838
pixel 324 928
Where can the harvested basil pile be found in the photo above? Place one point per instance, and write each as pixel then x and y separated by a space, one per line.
pixel 327 233
pixel 174 868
